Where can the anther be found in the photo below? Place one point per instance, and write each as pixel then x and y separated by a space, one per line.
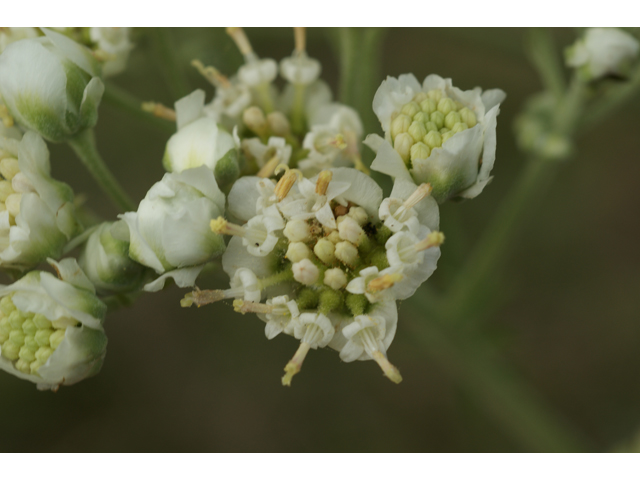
pixel 213 76
pixel 159 110
pixel 322 184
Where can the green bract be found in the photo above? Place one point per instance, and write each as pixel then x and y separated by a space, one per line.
pixel 38 216
pixel 51 329
pixel 51 85
pixel 106 262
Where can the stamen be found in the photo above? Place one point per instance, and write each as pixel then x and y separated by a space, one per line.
pixel 358 164
pixel 221 226
pixel 322 184
pixel 5 116
pixel 284 185
pixel 389 370
pixel 336 142
pixel 382 283
pixel 103 56
pixel 213 76
pixel 243 307
pixel 421 192
pixel 300 38
pixel 268 169
pixel 203 297
pixel 434 239
pixel 242 42
pixel 159 110
pixel 295 364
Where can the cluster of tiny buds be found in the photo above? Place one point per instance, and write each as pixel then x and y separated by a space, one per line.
pixel 13 184
pixel 29 339
pixel 427 122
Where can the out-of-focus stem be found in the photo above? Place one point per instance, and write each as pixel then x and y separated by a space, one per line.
pixel 172 68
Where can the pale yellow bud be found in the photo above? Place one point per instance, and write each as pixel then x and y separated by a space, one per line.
pixel 10 350
pixel 438 119
pixel 411 109
pixel 420 97
pixel 347 253
pixel 279 124
pixel 253 117
pixel 325 251
pixel 297 230
pixel 433 140
pixel 9 167
pixel 421 117
pixel 435 95
pixel 431 127
pixel 305 272
pixel 333 237
pixel 420 151
pixel 451 119
pixel 349 230
pixel 56 338
pixel 417 130
pixel 428 106
pixel 23 366
pixel 403 144
pixel 297 251
pixel 459 127
pixel 13 204
pixel 446 136
pixel 5 190
pixel 335 278
pixel 446 105
pixel 359 214
pixel 444 130
pixel 400 125
pixel 468 117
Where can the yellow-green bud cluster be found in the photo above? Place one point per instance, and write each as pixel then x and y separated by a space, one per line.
pixel 427 122
pixel 325 259
pixel 29 339
pixel 9 198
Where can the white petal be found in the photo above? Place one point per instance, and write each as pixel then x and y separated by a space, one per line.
pixel 189 108
pixel 184 277
pixel 388 161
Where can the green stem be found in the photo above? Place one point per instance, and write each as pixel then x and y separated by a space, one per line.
pixel 172 68
pixel 368 76
pixel 511 402
pixel 297 112
pixel 544 56
pixel 117 97
pixel 347 46
pixel 84 145
pixel 492 249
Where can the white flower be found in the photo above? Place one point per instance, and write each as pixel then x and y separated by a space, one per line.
pixel 275 151
pixel 251 196
pixel 603 51
pixel 300 69
pixel 115 43
pixel 106 262
pixel 368 337
pixel 170 231
pixel 280 317
pixel 200 141
pixel 408 207
pixel 230 100
pixel 51 328
pixel 457 152
pixel 37 216
pixel 375 285
pixel 51 85
pixel 414 257
pixel 333 140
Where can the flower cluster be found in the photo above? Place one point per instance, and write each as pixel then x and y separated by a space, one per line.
pixel 268 181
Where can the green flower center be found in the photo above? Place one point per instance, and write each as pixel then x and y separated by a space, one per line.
pixel 28 339
pixel 427 122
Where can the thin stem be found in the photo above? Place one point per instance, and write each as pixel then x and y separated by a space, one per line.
pixel 84 145
pixel 172 68
pixel 347 46
pixel 544 56
pixel 120 98
pixel 493 246
pixel 512 403
pixel 368 75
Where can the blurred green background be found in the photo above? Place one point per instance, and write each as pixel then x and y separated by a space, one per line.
pixel 551 362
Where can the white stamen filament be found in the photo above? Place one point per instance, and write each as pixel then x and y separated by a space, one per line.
pixel 371 347
pixel 421 192
pixel 300 39
pixel 242 42
pixel 213 76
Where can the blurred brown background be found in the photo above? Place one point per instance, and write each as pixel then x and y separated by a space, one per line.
pixel 567 317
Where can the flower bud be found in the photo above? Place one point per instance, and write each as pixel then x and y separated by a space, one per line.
pixel 468 117
pixel 325 251
pixel 400 125
pixel 297 251
pixel 420 151
pixel 347 253
pixel 428 106
pixel 51 85
pixel 113 43
pixel 278 124
pixel 38 218
pixel 451 119
pixel 335 278
pixel 106 262
pixel 403 144
pixel 69 343
pixel 433 140
pixel 601 52
pixel 417 130
pixel 411 109
pixel 170 232
pixel 297 230
pixel 437 118
pixel 305 272
pixel 446 106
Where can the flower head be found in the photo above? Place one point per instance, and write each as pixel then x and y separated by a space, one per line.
pixel 170 230
pixel 436 133
pixel 51 84
pixel 51 328
pixel 37 216
pixel 113 45
pixel 603 51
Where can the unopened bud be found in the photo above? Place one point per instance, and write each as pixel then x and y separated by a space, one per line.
pixel 347 253
pixel 400 125
pixel 278 124
pixel 459 127
pixel 433 140
pixel 435 95
pixel 420 151
pixel 305 272
pixel 420 97
pixel 297 230
pixel 468 117
pixel 254 119
pixel 446 105
pixel 438 119
pixel 324 250
pixel 403 144
pixel 349 230
pixel 451 119
pixel 417 130
pixel 411 109
pixel 428 106
pixel 297 251
pixel 335 278
pixel 359 214
pixel 9 168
